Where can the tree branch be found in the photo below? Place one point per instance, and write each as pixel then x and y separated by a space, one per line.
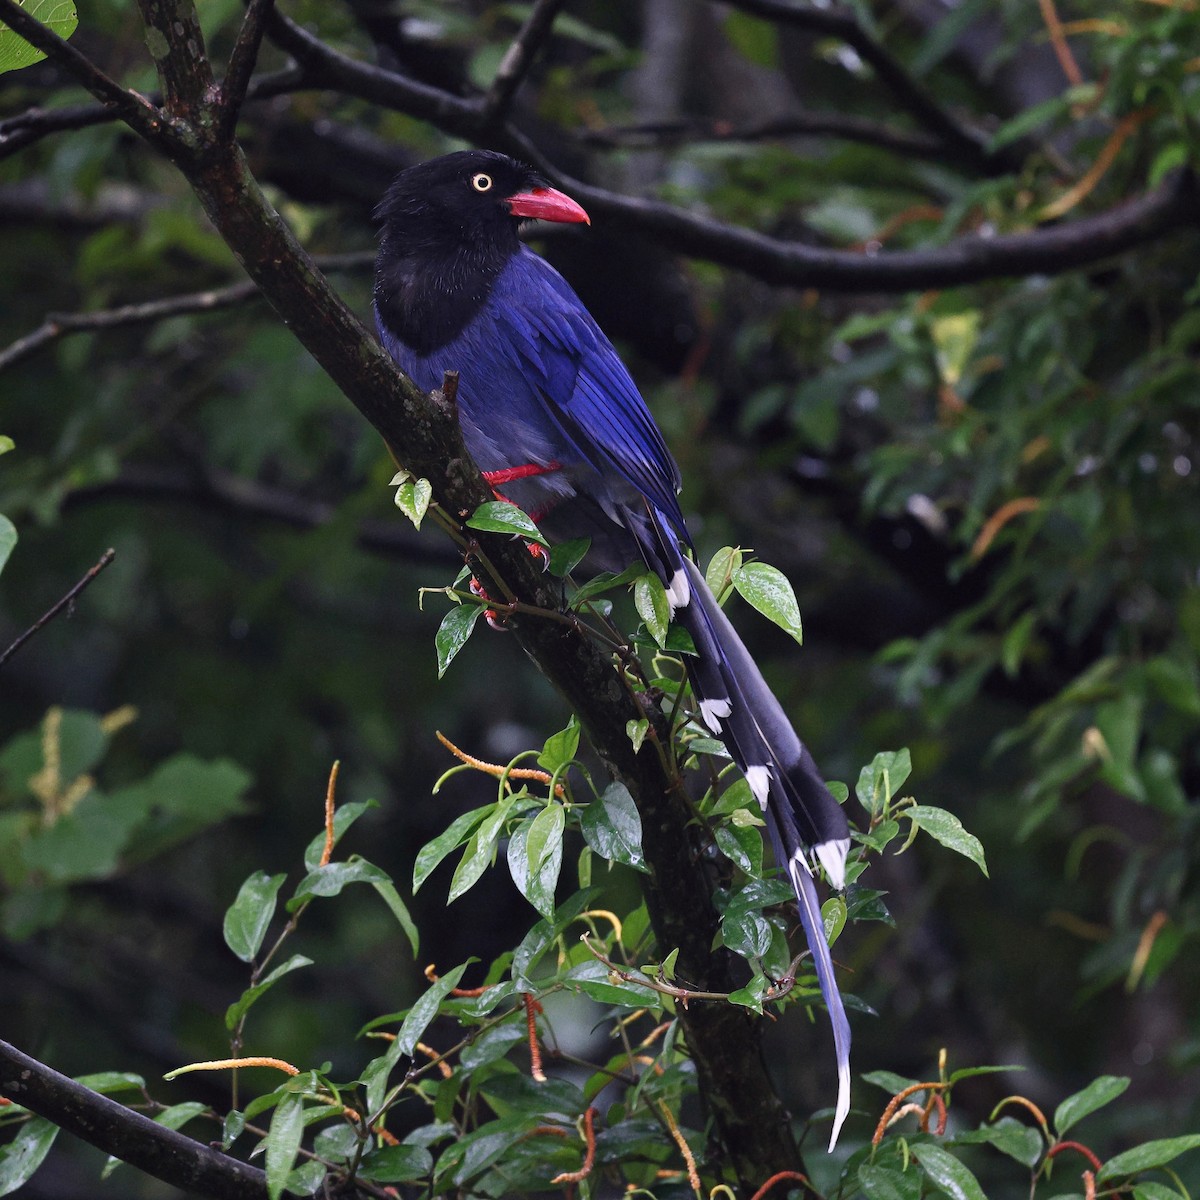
pixel 1050 250
pixel 843 23
pixel 57 325
pixel 518 59
pixel 1173 205
pixel 248 498
pixel 35 123
pixel 54 610
pixel 652 135
pixel 131 106
pixel 241 64
pixel 426 438
pixel 129 1136
pixel 326 67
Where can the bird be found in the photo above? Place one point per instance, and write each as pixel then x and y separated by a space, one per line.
pixel 556 424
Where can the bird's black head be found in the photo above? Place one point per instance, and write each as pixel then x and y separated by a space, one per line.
pixel 474 196
pixel 449 227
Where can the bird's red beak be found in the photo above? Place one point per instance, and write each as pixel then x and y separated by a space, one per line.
pixel 546 204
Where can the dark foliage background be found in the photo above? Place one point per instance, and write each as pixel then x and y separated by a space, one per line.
pixel 985 495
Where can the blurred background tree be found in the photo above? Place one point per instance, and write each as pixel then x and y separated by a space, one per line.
pixel 953 392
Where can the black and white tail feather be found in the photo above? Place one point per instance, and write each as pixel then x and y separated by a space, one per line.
pixel 801 815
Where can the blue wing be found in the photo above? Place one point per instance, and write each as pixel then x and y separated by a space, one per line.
pixel 539 381
pixel 583 383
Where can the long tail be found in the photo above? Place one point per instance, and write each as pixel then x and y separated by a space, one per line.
pixel 801 814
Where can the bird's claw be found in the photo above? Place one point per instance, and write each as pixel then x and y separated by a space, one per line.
pixel 490 615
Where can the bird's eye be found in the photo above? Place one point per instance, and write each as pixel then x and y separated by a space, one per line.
pixel 481 182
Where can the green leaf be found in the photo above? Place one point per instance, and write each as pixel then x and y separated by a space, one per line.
pixel 891 1083
pixel 946 828
pixel 21 1157
pixel 605 582
pixel 330 879
pixel 421 1015
pixel 396 1164
pixel 833 918
pixel 595 980
pixel 492 1045
pixel 751 995
pixel 8 539
pixel 249 916
pixel 344 816
pixel 283 1141
pixel 742 845
pixel 391 897
pixel 560 748
pixel 636 732
pixel 566 556
pixel 1025 122
pixel 1147 1157
pixel 721 569
pixel 768 589
pixel 1150 1190
pixel 6 443
pixel 1096 1095
pixel 885 1183
pixel 498 516
pixel 432 853
pixel 453 632
pixel 543 849
pixel 108 1082
pixel 481 846
pixel 238 1009
pixel 1010 1137
pixel 412 499
pixel 947 1174
pixel 650 600
pixel 58 16
pixel 882 778
pixel 306 1178
pixel 612 827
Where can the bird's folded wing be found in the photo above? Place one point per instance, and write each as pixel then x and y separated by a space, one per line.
pixel 583 383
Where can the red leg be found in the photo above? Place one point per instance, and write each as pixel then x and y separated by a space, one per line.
pixel 525 471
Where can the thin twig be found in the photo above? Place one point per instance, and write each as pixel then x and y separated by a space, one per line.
pixel 842 22
pixel 241 65
pixel 654 135
pixel 57 325
pixel 518 59
pixel 65 602
pixel 685 994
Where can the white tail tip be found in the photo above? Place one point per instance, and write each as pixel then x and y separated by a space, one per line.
pixel 832 856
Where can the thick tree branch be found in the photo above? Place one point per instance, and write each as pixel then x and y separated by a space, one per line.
pixel 1050 250
pixel 518 59
pixel 126 1134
